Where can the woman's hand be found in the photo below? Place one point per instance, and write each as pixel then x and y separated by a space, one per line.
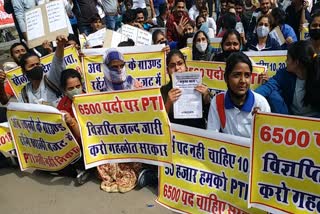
pixel 174 94
pixel 264 77
pixel 67 117
pixel 203 89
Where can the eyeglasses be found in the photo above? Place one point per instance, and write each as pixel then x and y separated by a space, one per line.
pixel 173 65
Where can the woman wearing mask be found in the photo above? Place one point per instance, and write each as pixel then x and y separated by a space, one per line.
pixel 201 49
pixel 314 31
pixel 176 63
pixel 262 41
pixel 201 24
pixel 43 88
pixel 231 42
pixel 298 85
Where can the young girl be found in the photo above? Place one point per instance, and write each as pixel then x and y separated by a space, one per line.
pixel 232 111
pixel 176 63
pixel 296 89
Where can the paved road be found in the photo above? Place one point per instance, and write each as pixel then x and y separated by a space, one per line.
pixel 37 193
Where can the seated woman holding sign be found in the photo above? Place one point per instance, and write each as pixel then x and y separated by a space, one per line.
pixel 201 48
pixel 43 89
pixel 231 112
pixel 262 40
pixel 298 85
pixel 177 63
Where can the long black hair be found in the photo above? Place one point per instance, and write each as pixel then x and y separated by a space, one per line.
pixel 67 74
pixel 226 35
pixel 173 53
pixel 303 52
pixel 233 60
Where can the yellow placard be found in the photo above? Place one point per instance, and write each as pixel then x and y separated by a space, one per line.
pixel 17 80
pixel 273 60
pixel 148 68
pixel 124 126
pixel 304 33
pixel 285 164
pixel 42 139
pixel 187 53
pixel 212 74
pixel 6 143
pixel 209 173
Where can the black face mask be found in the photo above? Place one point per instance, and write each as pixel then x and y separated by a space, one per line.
pixel 164 42
pixel 189 35
pixel 35 73
pixel 314 34
pixel 228 53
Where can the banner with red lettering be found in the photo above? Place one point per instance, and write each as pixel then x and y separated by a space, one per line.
pixel 6 20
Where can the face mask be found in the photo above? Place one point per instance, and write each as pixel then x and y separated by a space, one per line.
pixel 262 31
pixel 202 47
pixel 164 42
pixel 74 92
pixel 314 34
pixel 189 35
pixel 35 73
pixel 227 53
pixel 115 76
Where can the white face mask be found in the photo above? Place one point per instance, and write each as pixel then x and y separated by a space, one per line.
pixel 74 92
pixel 114 75
pixel 202 46
pixel 262 31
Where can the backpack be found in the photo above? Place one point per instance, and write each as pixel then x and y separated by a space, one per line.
pixel 8 7
pixel 48 83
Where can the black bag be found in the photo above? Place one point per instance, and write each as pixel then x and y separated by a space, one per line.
pixel 8 7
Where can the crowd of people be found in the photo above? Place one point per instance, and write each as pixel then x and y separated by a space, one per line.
pixel 293 90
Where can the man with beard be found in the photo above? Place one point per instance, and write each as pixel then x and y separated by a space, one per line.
pixel 177 21
pixel 232 111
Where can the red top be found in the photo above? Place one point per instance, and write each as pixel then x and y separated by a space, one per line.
pixel 8 89
pixel 172 34
pixel 66 105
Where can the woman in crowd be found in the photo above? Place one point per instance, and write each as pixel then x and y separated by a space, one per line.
pixel 231 42
pixel 231 112
pixel 176 63
pixel 201 48
pixel 314 31
pixel 158 37
pixel 43 88
pixel 262 41
pixel 296 89
pixel 201 24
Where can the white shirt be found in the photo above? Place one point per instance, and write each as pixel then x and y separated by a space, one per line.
pixel 212 24
pixel 193 12
pixel 238 121
pixel 139 4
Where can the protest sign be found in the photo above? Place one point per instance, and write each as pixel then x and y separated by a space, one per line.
pixel 304 33
pixel 46 22
pixel 214 42
pixel 187 53
pixel 17 80
pixel 277 35
pixel 41 137
pixel 124 126
pixel 140 37
pixel 212 74
pixel 146 64
pixel 112 39
pixel 6 143
pixel 209 173
pixel 285 164
pixel 6 20
pixel 273 60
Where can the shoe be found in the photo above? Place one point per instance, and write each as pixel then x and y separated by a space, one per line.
pixel 147 177
pixel 82 177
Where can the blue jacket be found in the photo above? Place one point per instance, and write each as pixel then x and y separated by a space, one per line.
pixel 271 44
pixel 279 91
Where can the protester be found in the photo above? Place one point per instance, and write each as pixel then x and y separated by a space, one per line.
pixel 231 112
pixel 158 37
pixel 298 85
pixel 195 9
pixel 201 24
pixel 142 4
pixel 278 17
pixel 228 22
pixel 176 63
pixel 43 88
pixel 189 29
pixel 240 13
pixel 161 19
pixel 230 43
pixel 262 41
pixel 211 23
pixel 177 21
pixel 314 31
pixel 110 8
pixel 96 23
pixel 201 48
pixel 141 19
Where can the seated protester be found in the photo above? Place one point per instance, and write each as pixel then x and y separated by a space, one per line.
pixel 176 63
pixel 96 23
pixel 211 23
pixel 240 13
pixel 158 37
pixel 228 22
pixel 201 48
pixel 141 20
pixel 189 29
pixel 129 18
pixel 314 31
pixel 262 41
pixel 278 18
pixel 201 22
pixel 263 10
pixel 231 112
pixel 70 81
pixel 16 52
pixel 297 13
pixel 194 11
pixel 295 89
pixel 177 21
pixel 161 19
pixel 230 43
pixel 128 4
pixel 43 88
pixel 230 8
